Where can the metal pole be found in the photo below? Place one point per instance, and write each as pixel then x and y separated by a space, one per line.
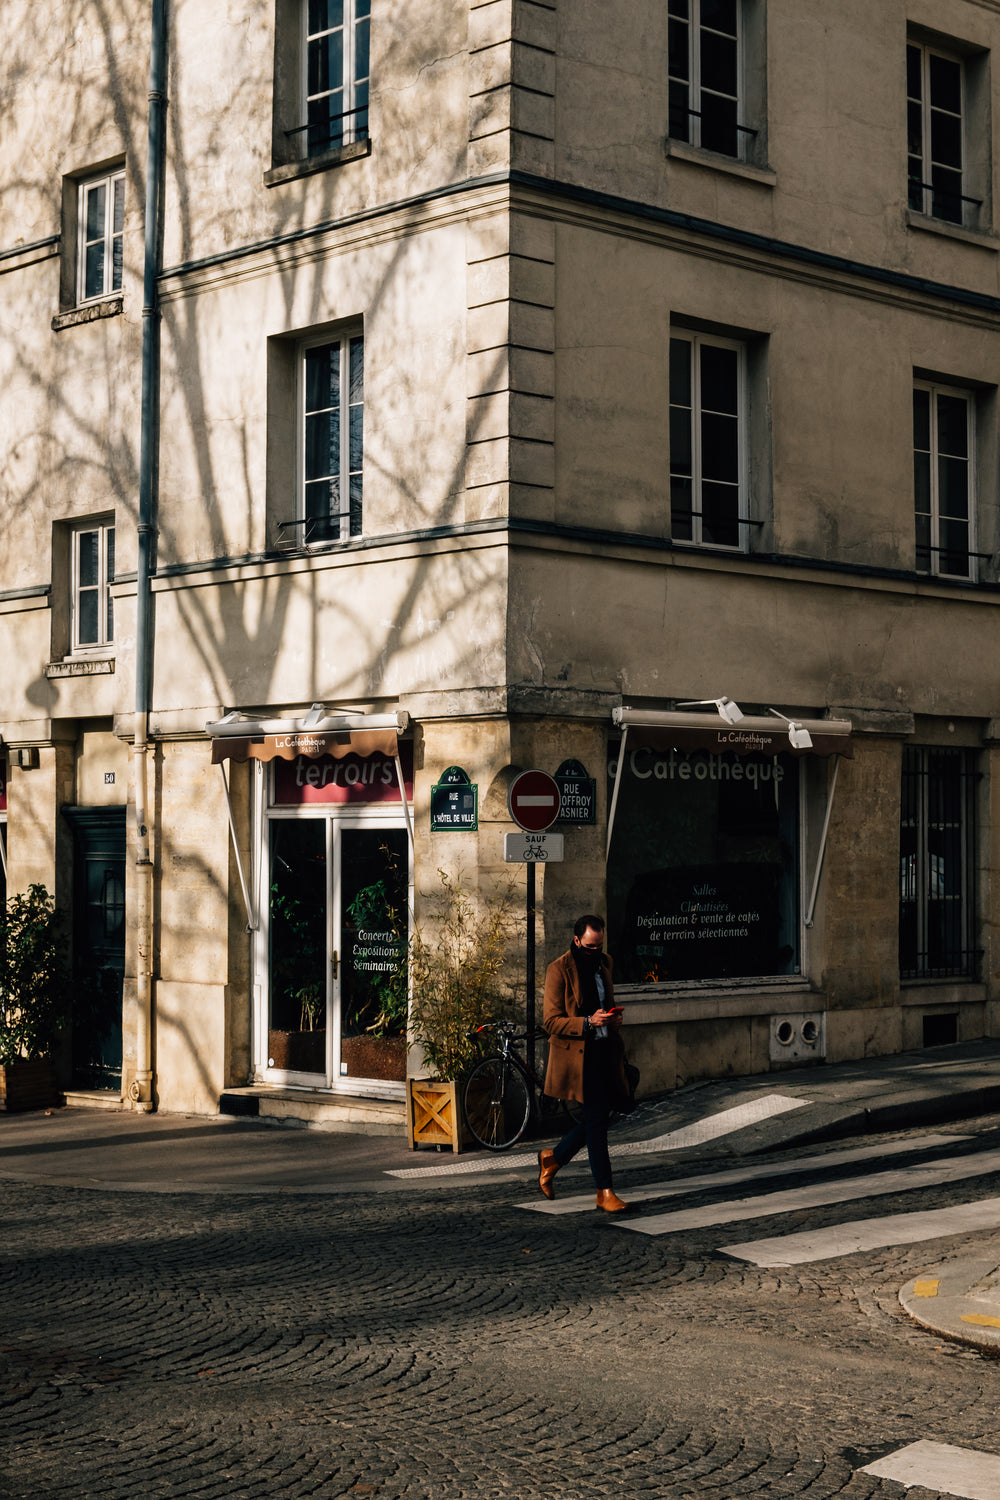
pixel 529 1008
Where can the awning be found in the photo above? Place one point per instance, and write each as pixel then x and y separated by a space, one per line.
pixel 241 737
pixel 751 736
pixel 362 742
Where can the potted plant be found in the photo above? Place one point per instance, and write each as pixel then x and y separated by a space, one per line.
pixel 457 982
pixel 32 999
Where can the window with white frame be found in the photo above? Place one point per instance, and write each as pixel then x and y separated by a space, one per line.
pixel 332 446
pixel 944 480
pixel 708 466
pixel 935 120
pixel 92 573
pixel 937 878
pixel 335 65
pixel 705 65
pixel 100 225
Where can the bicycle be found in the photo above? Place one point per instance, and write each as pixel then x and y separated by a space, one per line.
pixel 503 1092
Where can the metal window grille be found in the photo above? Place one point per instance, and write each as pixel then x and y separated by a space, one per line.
pixel 937 875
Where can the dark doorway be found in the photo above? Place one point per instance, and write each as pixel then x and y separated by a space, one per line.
pixel 98 945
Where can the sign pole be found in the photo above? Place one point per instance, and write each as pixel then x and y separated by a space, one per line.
pixel 529 1007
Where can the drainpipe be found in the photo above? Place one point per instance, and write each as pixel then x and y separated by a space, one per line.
pixel 141 1090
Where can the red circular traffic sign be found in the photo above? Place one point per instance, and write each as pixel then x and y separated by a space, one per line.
pixel 533 801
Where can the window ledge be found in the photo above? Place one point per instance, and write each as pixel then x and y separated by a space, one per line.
pixel 292 170
pixel 109 307
pixel 986 239
pixel 683 151
pixel 81 666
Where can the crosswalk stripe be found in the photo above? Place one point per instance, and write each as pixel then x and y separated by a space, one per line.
pixel 869 1234
pixel 678 1187
pixel 963 1473
pixel 819 1194
pixel 711 1128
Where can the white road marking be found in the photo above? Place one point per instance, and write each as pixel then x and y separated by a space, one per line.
pixel 819 1194
pixel 677 1187
pixel 961 1472
pixel 709 1129
pixel 869 1234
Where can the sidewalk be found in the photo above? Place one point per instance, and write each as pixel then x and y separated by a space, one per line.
pixel 770 1112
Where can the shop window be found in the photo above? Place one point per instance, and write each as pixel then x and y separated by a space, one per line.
pixel 708 461
pixel 92 572
pixel 703 873
pixel 943 480
pixel 947 113
pixel 937 876
pixel 712 52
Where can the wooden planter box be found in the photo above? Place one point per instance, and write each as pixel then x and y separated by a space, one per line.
pixel 433 1114
pixel 28 1085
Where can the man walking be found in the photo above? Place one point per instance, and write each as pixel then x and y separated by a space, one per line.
pixel 586 1056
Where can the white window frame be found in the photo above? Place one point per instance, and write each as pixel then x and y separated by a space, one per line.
pixel 935 390
pixel 344 530
pixel 694 131
pixel 697 342
pixel 356 19
pixel 966 206
pixel 105 530
pixel 111 286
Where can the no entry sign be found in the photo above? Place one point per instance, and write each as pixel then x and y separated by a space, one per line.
pixel 533 801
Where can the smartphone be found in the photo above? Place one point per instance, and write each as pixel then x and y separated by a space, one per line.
pixel 614 1010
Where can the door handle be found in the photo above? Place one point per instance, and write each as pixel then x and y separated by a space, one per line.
pixel 335 964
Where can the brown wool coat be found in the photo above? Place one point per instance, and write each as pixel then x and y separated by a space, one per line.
pixel 563 1020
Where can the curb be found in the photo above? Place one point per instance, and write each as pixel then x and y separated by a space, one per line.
pixel 959 1301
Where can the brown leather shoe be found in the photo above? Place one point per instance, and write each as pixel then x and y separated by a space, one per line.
pixel 609 1200
pixel 547 1169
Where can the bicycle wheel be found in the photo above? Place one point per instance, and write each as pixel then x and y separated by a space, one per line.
pixel 496 1103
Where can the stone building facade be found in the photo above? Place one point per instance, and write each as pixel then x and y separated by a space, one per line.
pixel 396 397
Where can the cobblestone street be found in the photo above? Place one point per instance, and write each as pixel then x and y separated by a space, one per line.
pixel 443 1343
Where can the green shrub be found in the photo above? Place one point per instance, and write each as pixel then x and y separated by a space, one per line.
pixel 456 976
pixel 32 977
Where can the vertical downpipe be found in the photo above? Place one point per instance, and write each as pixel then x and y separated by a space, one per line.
pixel 141 1091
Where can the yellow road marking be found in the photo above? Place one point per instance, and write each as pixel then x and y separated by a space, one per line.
pixel 926 1288
pixel 981 1320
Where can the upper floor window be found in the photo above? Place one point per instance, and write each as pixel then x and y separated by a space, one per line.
pixel 708 467
pixel 92 573
pixel 332 452
pixel 336 73
pixel 705 71
pixel 938 86
pixel 100 223
pixel 943 480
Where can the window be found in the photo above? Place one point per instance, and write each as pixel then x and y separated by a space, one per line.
pixel 100 220
pixel 943 481
pixel 708 485
pixel 936 110
pixel 937 864
pixel 332 408
pixel 93 571
pixel 705 68
pixel 336 73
